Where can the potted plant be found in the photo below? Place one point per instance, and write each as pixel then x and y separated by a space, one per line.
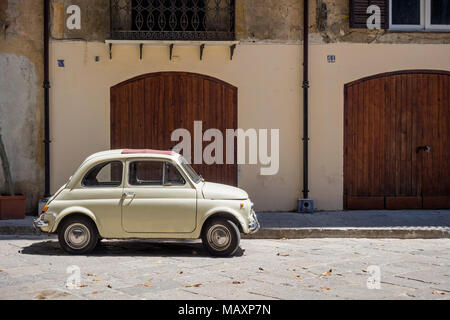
pixel 12 206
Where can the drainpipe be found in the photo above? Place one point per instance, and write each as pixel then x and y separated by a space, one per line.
pixel 46 86
pixel 305 205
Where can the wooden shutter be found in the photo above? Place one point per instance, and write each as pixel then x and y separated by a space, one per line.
pixel 359 15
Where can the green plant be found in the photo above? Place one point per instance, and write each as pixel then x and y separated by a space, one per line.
pixel 9 184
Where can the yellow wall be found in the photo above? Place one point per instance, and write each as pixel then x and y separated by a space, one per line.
pixel 353 61
pixel 268 81
pixel 268 77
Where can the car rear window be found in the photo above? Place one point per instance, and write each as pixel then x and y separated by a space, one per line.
pixel 106 174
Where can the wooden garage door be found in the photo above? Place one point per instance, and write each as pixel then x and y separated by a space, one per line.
pixel 147 109
pixel 397 141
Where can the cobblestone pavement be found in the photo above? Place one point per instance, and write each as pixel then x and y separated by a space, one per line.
pixel 35 267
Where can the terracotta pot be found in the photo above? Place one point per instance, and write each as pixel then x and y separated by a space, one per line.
pixel 12 207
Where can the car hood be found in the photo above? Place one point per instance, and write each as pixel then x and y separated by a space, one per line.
pixel 216 191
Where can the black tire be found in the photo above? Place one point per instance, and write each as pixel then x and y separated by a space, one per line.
pixel 83 233
pixel 214 229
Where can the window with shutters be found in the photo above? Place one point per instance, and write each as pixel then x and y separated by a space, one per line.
pixel 403 14
pixel 359 14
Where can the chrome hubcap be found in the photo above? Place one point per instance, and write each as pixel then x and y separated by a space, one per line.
pixel 77 236
pixel 219 237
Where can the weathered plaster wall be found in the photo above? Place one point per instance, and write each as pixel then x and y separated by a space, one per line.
pixel 256 20
pixel 269 20
pixel 279 21
pixel 21 96
pixel 94 19
pixel 282 21
pixel 336 28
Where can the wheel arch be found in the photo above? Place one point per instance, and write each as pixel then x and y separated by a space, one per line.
pixel 226 214
pixel 75 212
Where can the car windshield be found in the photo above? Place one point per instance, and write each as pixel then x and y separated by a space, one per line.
pixel 191 172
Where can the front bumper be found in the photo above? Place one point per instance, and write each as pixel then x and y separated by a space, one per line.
pixel 45 222
pixel 254 226
pixel 38 224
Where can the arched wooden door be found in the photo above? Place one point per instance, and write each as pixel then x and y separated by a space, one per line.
pixel 146 110
pixel 397 141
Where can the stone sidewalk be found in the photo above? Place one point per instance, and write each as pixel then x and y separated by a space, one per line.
pixel 402 224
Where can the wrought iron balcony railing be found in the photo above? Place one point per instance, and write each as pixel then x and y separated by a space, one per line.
pixel 207 20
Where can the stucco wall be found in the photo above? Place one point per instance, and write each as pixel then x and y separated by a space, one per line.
pixel 353 61
pixel 269 83
pixel 21 96
pixel 267 75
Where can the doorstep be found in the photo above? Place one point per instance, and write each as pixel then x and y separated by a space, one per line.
pixel 402 224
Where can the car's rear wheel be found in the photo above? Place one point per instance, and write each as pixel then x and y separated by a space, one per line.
pixel 221 237
pixel 78 235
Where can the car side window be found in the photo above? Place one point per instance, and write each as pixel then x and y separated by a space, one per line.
pixel 172 176
pixel 154 173
pixel 106 174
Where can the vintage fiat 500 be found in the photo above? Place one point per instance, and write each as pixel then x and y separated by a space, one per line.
pixel 145 194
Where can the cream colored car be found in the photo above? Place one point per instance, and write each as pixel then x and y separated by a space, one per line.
pixel 145 194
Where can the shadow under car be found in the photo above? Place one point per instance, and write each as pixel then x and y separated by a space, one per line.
pixel 159 248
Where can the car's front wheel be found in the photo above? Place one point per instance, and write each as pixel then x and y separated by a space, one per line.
pixel 221 237
pixel 78 235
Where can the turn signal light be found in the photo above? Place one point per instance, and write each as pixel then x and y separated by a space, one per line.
pixel 44 209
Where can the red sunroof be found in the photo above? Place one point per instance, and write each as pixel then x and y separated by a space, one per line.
pixel 147 151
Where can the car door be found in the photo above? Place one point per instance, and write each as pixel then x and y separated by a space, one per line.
pixel 157 198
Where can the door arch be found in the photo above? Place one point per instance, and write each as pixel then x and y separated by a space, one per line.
pixel 145 110
pixel 397 141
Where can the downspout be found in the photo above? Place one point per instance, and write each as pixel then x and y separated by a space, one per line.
pixel 305 205
pixel 305 87
pixel 46 86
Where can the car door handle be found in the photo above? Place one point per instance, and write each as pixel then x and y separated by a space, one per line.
pixel 128 194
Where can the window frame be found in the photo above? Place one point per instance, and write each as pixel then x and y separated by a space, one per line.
pixel 408 27
pixel 131 185
pixel 425 20
pixel 186 166
pixel 104 163
pixel 428 25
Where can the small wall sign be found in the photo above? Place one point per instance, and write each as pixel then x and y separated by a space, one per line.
pixel 331 58
pixel 61 63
